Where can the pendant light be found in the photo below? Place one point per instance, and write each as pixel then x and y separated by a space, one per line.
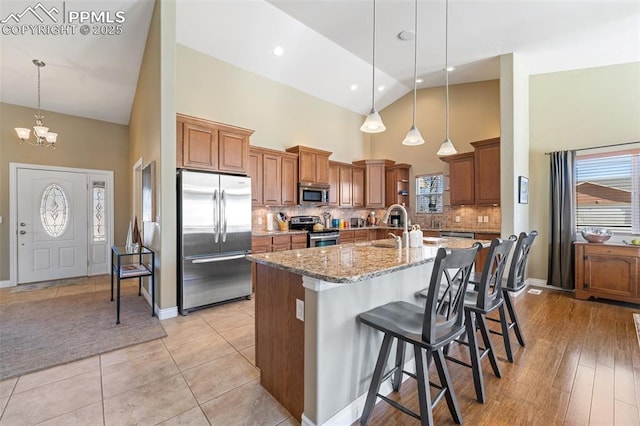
pixel 373 123
pixel 44 138
pixel 447 147
pixel 413 135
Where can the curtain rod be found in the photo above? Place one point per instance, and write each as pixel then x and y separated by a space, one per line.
pixel 598 147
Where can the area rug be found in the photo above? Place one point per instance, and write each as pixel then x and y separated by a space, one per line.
pixel 636 319
pixel 42 334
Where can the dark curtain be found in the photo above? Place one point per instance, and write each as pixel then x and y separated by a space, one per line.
pixel 562 220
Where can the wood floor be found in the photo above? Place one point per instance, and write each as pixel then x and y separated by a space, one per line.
pixel 581 365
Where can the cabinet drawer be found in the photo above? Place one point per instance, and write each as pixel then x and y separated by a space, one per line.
pixel 280 247
pixel 281 240
pixel 259 243
pixel 361 235
pixel 299 238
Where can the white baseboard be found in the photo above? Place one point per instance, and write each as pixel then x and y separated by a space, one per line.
pixel 6 283
pixel 161 313
pixel 535 282
pixel 352 412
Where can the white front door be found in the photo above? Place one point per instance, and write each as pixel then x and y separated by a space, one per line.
pixel 52 225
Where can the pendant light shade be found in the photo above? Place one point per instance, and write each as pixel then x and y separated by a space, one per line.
pixel 373 123
pixel 413 135
pixel 447 147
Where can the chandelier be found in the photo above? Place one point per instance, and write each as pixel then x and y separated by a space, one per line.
pixel 44 138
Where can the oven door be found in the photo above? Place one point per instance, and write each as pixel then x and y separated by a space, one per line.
pixel 323 240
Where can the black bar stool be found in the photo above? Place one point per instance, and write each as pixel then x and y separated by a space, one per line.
pixel 514 283
pixel 484 298
pixel 428 330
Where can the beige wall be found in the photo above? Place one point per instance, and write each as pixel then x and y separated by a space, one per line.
pixel 474 114
pixel 149 141
pixel 570 110
pixel 280 115
pixel 82 143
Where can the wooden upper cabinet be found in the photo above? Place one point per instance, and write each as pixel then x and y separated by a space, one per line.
pixel 207 145
pixel 374 181
pixel 397 184
pixel 289 180
pixel 334 182
pixel 254 170
pixel 313 164
pixel 357 187
pixel 461 178
pixel 199 147
pixel 346 181
pixel 487 171
pixel 272 179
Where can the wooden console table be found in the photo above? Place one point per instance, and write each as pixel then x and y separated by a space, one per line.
pixel 608 271
pixel 127 264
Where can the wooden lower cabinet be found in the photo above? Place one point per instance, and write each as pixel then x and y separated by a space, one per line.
pixel 271 243
pixel 280 336
pixel 481 258
pixel 298 241
pixel 608 271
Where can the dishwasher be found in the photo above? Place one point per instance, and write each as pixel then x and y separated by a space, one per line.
pixel 457 234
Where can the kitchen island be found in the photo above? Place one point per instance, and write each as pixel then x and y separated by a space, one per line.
pixel 315 357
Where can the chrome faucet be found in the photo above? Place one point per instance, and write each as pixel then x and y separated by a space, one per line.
pixel 405 233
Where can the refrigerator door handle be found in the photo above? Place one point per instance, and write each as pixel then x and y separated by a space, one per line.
pixel 216 219
pixel 223 207
pixel 218 259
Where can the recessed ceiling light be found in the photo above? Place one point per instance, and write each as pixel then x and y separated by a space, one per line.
pixel 419 80
pixel 450 68
pixel 353 87
pixel 381 88
pixel 278 50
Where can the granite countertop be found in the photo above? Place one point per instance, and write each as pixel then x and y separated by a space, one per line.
pixel 348 263
pixel 264 233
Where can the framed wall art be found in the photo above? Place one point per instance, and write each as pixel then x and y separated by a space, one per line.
pixel 523 190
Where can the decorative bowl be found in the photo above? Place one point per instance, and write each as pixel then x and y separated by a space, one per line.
pixel 596 235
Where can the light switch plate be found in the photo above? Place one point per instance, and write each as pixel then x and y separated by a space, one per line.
pixel 479 219
pixel 259 220
pixel 0 219
pixel 300 309
pixel 486 219
pixel 457 219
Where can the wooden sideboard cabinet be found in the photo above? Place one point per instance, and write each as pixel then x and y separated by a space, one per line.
pixel 608 271
pixel 313 164
pixel 211 146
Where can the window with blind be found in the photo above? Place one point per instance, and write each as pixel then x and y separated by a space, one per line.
pixel 608 191
pixel 429 190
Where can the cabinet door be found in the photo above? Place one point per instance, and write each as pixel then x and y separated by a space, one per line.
pixel 461 180
pixel 487 173
pixel 199 147
pixel 322 168
pixel 389 187
pixel 334 183
pixel 481 258
pixel 610 275
pixel 345 186
pixel 298 241
pixel 272 179
pixel 179 143
pixel 357 187
pixel 289 180
pixel 254 168
pixel 233 152
pixel 260 245
pixel 307 163
pixel 375 185
pixel 360 235
pixel 347 237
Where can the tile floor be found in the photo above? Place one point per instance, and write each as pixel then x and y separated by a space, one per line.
pixel 202 373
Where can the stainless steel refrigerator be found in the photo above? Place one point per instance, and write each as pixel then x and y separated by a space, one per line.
pixel 214 227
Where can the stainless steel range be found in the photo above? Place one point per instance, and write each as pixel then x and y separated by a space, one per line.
pixel 326 237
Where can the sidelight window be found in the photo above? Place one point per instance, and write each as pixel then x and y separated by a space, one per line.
pixel 99 214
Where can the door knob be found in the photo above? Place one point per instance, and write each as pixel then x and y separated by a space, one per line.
pixel 23 224
pixel 23 232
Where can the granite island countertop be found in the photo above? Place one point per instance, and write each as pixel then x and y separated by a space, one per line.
pixel 349 263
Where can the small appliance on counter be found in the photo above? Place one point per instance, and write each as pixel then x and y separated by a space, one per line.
pixel 315 237
pixel 357 222
pixel 395 218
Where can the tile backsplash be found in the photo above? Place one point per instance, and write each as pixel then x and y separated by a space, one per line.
pixel 468 216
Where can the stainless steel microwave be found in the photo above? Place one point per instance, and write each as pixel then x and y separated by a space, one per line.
pixel 312 194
